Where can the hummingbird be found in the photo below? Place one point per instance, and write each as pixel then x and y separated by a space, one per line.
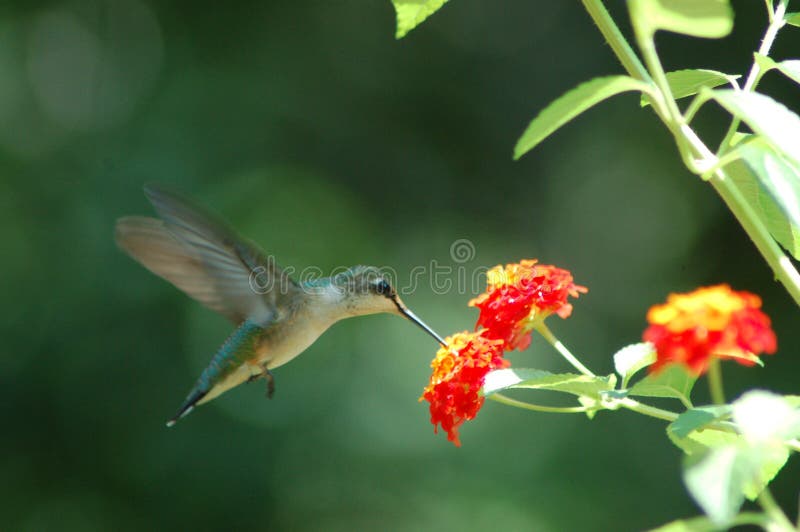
pixel 276 317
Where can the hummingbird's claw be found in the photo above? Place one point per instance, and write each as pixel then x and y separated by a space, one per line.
pixel 270 383
pixel 267 376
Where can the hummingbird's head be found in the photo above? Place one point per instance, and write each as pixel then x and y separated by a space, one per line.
pixel 367 290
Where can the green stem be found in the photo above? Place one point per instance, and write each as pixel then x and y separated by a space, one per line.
pixel 500 398
pixel 630 61
pixel 669 112
pixel 715 382
pixel 542 329
pixel 776 515
pixel 776 22
pixel 781 265
pixel 648 410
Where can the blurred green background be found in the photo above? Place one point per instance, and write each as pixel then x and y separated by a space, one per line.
pixel 321 137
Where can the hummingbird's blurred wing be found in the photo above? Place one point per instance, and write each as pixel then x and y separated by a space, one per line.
pixel 203 257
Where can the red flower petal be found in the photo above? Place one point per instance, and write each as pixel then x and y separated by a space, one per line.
pixel 714 321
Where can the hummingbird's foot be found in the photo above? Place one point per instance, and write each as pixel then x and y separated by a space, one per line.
pixel 267 376
pixel 270 383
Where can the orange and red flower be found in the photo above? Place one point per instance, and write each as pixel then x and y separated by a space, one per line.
pixel 458 374
pixel 714 321
pixel 519 295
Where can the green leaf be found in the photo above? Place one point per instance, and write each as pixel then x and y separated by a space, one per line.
pixel 747 357
pixel 771 185
pixel 792 19
pixel 701 441
pixel 767 461
pixel 672 382
pixel 789 68
pixel 684 83
pixel 697 418
pixel 779 126
pixel 716 481
pixel 766 417
pixel 536 379
pixel 615 394
pixel 722 475
pixel 699 18
pixel 697 524
pixel 570 105
pixel 411 13
pixel 703 524
pixel 738 137
pixel 632 358
pixel 593 405
pixel 793 400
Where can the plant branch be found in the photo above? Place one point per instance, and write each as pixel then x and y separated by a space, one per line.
pixel 647 410
pixel 776 515
pixel 688 141
pixel 715 382
pixel 776 22
pixel 630 61
pixel 781 265
pixel 504 399
pixel 542 329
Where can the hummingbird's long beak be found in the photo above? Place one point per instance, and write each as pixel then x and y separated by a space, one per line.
pixel 413 317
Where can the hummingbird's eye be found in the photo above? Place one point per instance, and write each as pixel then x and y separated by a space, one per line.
pixel 383 288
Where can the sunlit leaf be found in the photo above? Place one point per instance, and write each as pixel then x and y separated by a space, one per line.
pixel 411 13
pixel 704 524
pixel 684 83
pixel 716 481
pixel 778 126
pixel 702 441
pixel 792 19
pixel 592 405
pixel 697 418
pixel 632 358
pixel 570 105
pixel 767 461
pixel 789 68
pixel 748 358
pixel 699 18
pixel 793 400
pixel 771 185
pixel 535 379
pixel 672 382
pixel 765 417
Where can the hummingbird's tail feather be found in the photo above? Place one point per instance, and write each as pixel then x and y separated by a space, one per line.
pixel 230 367
pixel 187 406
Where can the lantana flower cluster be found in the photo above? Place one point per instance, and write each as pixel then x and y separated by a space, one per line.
pixel 712 322
pixel 517 297
pixel 691 329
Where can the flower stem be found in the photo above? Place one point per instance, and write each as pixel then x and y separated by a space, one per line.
pixel 630 61
pixel 776 22
pixel 781 265
pixel 715 382
pixel 500 398
pixel 562 349
pixel 689 143
pixel 776 515
pixel 648 410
